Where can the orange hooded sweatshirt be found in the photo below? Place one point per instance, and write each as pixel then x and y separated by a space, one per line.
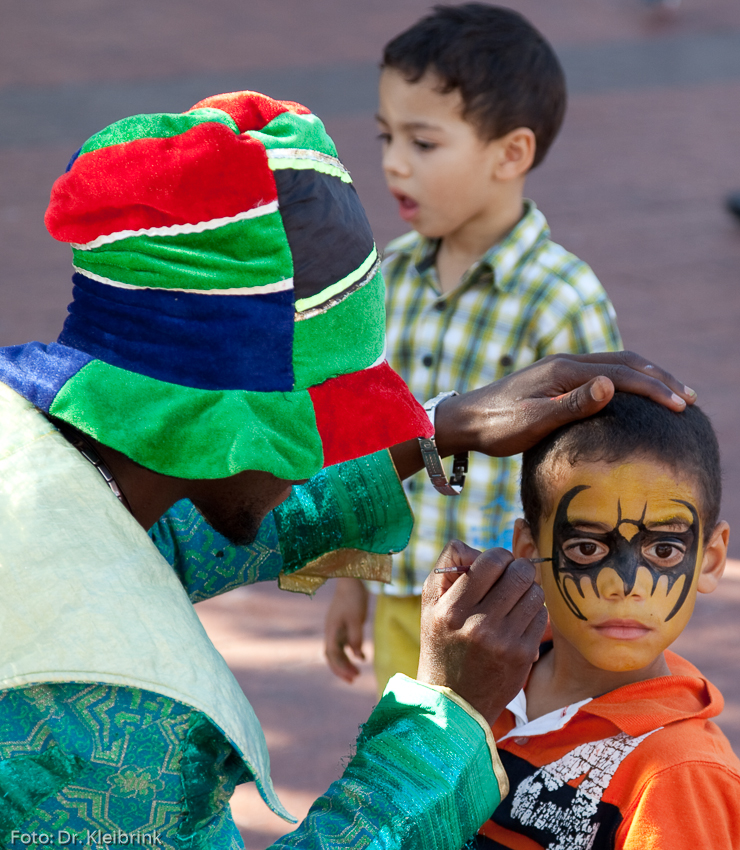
pixel 640 768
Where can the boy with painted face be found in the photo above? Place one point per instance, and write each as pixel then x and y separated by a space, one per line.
pixel 610 745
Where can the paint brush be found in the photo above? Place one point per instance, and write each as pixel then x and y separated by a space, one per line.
pixel 465 569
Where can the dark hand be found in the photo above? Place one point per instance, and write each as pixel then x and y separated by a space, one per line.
pixel 510 415
pixel 513 414
pixel 480 631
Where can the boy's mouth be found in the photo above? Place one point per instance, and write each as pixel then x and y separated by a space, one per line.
pixel 407 207
pixel 618 629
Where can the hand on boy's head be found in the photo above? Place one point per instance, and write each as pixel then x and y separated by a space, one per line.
pixel 516 412
pixel 480 632
pixel 625 371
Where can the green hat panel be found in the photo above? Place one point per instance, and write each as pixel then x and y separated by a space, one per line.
pixel 351 336
pixel 252 252
pixel 192 433
pixel 161 125
pixel 292 131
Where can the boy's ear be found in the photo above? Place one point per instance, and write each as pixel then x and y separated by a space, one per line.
pixel 524 545
pixel 517 149
pixel 715 556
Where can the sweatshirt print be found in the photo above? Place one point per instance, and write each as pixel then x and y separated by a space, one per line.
pixel 640 768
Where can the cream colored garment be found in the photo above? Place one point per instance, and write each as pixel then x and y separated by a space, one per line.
pixel 86 596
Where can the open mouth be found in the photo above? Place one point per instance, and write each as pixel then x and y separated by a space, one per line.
pixel 623 629
pixel 407 207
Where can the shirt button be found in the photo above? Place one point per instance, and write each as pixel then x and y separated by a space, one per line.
pixel 427 360
pixel 440 306
pixel 521 742
pixel 506 361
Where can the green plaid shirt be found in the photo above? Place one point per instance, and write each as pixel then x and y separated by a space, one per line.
pixel 525 298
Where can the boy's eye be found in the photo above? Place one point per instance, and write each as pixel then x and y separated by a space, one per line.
pixel 423 145
pixel 584 551
pixel 665 553
pixel 384 137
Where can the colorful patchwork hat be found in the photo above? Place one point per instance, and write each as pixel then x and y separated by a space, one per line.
pixel 228 308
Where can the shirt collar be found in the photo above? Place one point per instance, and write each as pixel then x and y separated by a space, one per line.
pixel 639 708
pixel 550 722
pixel 423 253
pixel 634 709
pixel 501 259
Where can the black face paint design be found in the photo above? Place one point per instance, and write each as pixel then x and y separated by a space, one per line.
pixel 624 556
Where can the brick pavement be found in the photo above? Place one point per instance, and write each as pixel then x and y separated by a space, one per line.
pixel 634 185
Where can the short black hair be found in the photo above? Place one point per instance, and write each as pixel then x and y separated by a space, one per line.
pixel 630 426
pixel 507 74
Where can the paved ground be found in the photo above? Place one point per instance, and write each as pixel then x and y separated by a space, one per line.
pixel 634 185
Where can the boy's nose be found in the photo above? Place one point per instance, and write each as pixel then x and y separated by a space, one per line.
pixel 394 163
pixel 612 583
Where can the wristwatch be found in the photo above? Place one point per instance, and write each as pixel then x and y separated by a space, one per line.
pixel 432 460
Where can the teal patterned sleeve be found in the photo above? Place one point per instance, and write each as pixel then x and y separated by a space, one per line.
pixel 206 563
pixel 425 776
pixel 356 507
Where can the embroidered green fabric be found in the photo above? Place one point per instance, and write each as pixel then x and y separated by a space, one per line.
pixel 355 505
pixel 25 781
pixel 412 784
pixel 82 758
pixel 204 560
pixel 349 509
pixel 210 771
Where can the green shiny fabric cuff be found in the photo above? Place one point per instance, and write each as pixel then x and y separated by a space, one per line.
pixel 345 521
pixel 26 780
pixel 423 778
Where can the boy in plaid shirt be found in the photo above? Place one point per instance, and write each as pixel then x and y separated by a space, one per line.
pixel 471 98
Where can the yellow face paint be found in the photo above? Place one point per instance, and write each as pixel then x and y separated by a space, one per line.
pixel 626 543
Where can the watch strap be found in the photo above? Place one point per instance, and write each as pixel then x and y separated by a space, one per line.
pixel 432 460
pixel 436 473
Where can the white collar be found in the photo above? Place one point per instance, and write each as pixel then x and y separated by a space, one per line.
pixel 550 722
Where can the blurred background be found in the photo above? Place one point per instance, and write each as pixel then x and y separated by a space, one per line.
pixel 635 185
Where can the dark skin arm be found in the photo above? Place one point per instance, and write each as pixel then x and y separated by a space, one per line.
pixel 511 415
pixel 500 419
